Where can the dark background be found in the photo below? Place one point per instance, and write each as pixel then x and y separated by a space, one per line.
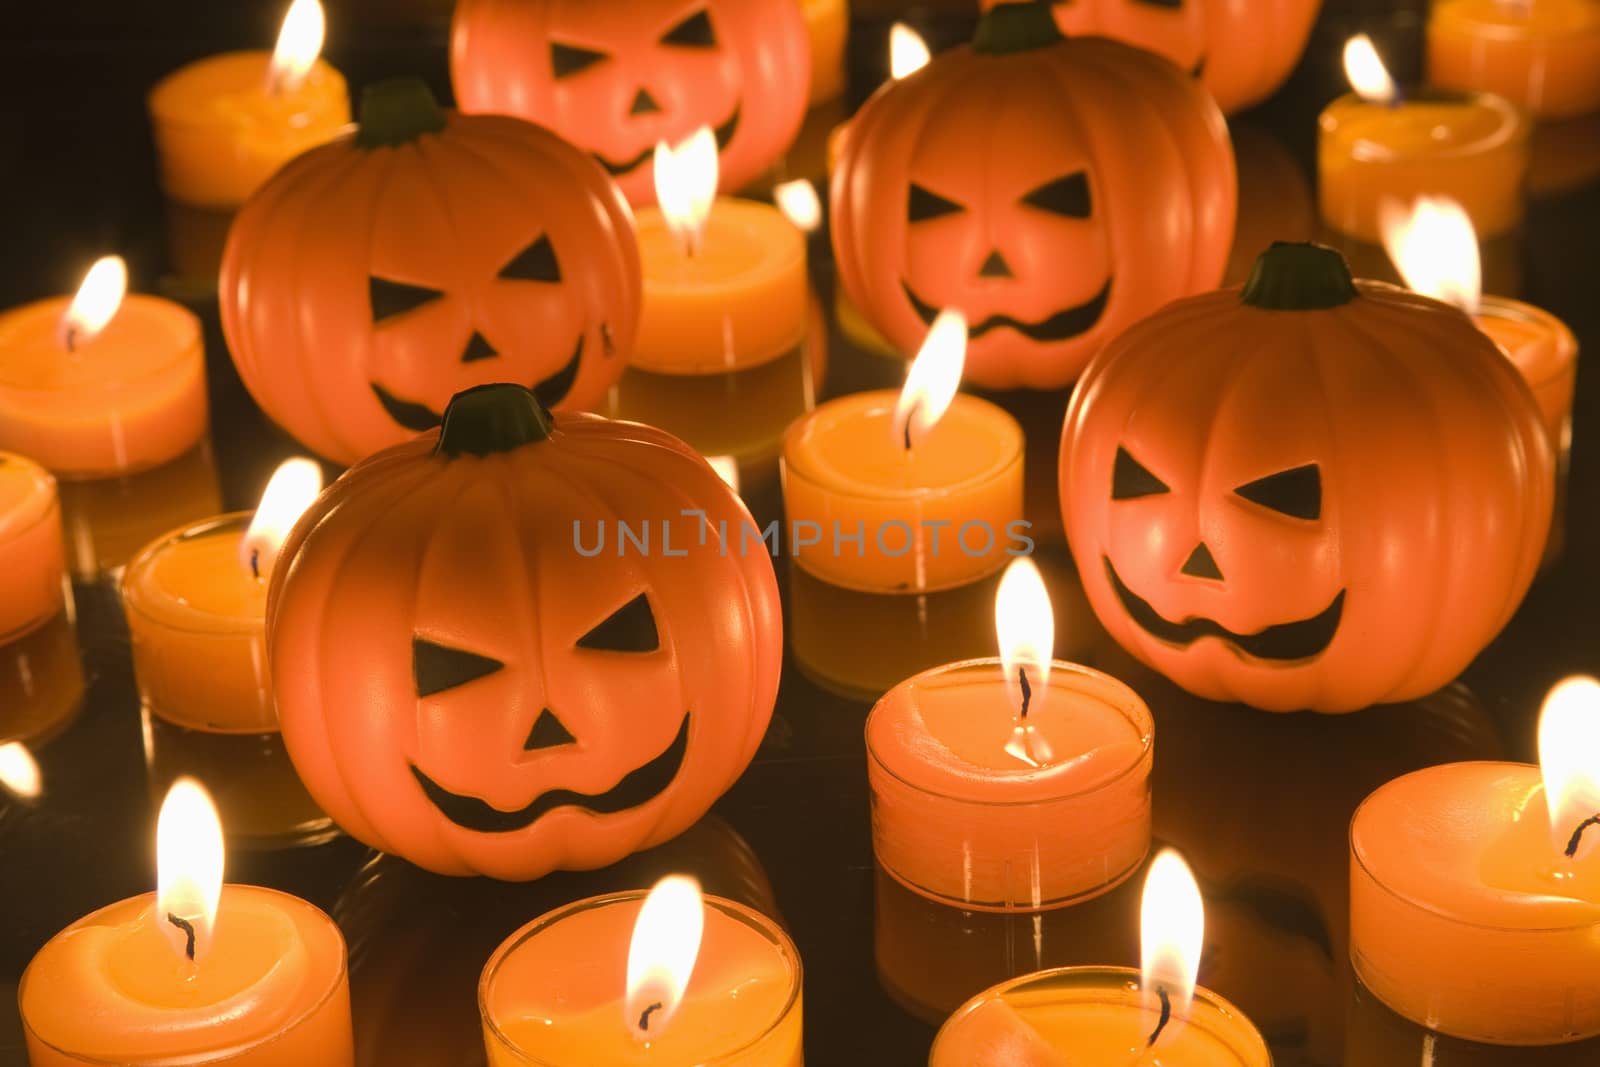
pixel 1258 802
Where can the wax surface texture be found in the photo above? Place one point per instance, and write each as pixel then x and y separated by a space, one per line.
pixel 129 399
pixel 845 470
pixel 739 301
pixel 32 560
pixel 1470 148
pixel 1465 917
pixel 554 997
pixel 957 817
pixel 272 992
pixel 220 132
pixel 190 601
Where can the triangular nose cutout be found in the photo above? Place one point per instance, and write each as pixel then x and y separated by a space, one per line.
pixel 478 348
pixel 548 733
pixel 995 267
pixel 1201 564
pixel 644 104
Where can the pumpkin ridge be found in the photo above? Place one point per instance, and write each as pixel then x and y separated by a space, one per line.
pixel 383 166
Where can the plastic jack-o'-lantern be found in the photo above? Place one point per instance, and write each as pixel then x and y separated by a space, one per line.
pixel 464 681
pixel 1305 493
pixel 1241 52
pixel 375 277
pixel 1053 190
pixel 615 78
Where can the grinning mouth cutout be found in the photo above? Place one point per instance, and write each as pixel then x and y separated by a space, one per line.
pixel 724 135
pixel 1283 642
pixel 638 787
pixel 419 417
pixel 1062 326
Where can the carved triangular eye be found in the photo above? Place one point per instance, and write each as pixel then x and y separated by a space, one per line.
pixel 693 32
pixel 439 667
pixel 536 263
pixel 923 205
pixel 547 732
pixel 1130 480
pixel 1068 195
pixel 396 298
pixel 1296 492
pixel 631 628
pixel 568 59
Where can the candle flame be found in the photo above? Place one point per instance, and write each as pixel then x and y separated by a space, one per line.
pixel 1364 67
pixel 661 957
pixel 299 43
pixel 290 490
pixel 1025 626
pixel 908 52
pixel 799 203
pixel 189 859
pixel 1172 925
pixel 933 379
pixel 19 772
pixel 1435 249
pixel 727 468
pixel 96 303
pixel 686 184
pixel 1569 758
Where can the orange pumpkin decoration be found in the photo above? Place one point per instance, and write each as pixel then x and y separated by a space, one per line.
pixel 1308 493
pixel 1053 190
pixel 375 277
pixel 615 78
pixel 463 683
pixel 1241 52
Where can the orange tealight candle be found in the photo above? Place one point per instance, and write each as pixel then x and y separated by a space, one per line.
pixel 199 596
pixel 724 279
pixel 1113 1016
pixel 1436 251
pixel 224 124
pixel 827 24
pixel 1475 888
pixel 1372 144
pixel 1014 783
pixel 1542 54
pixel 32 559
pixel 101 383
pixel 911 492
pixel 644 981
pixel 195 973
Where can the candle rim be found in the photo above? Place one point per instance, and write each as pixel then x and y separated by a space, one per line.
pixel 760 922
pixel 1099 978
pixel 182 114
pixel 1424 905
pixel 1513 127
pixel 188 344
pixel 1520 311
pixel 834 481
pixel 196 620
pixel 43 485
pixel 339 981
pixel 1136 711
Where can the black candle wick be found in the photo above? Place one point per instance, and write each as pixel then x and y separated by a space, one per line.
pixel 644 1016
pixel 1027 691
pixel 909 413
pixel 1577 835
pixel 72 339
pixel 188 928
pixel 1166 1016
pixel 255 562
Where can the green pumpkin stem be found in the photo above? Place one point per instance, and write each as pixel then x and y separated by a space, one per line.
pixel 1299 276
pixel 397 112
pixel 492 418
pixel 1016 27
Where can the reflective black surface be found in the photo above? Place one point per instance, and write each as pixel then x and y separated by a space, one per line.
pixel 1259 803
